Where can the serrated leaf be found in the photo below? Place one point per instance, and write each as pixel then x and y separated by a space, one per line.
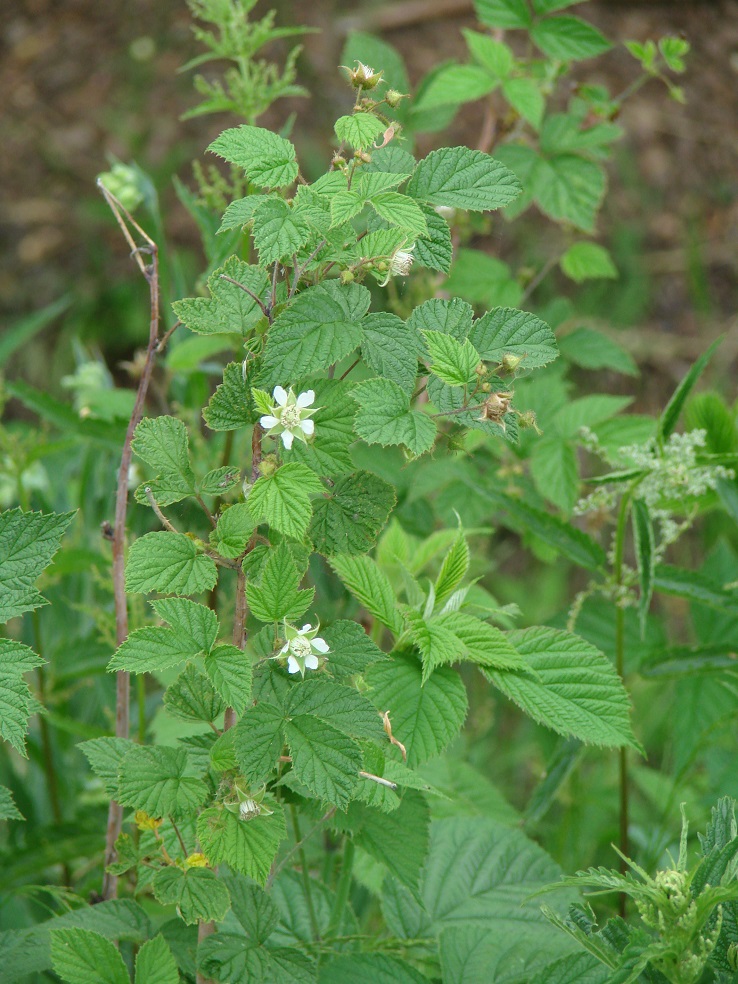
pixel 277 594
pixel 240 212
pixel 475 954
pixel 455 84
pixel 328 453
pixel 155 963
pixel 503 13
pixel 258 741
pixel 105 756
pixel 163 444
pixel 16 700
pixel 400 210
pixel 385 417
pixel 452 361
pixel 588 261
pixel 506 331
pixel 229 309
pixel 453 569
pixel 229 669
pixel 575 691
pixel 320 327
pixel 398 840
pixel 592 350
pixel 230 406
pixel 452 317
pixel 268 159
pixel 169 563
pixel 192 697
pixel 323 759
pixel 344 206
pixel 568 38
pixel 370 586
pixel 463 178
pixel 425 718
pixel 248 846
pixel 152 778
pixel 457 637
pixel 227 958
pixel 194 624
pixel 670 416
pixel 370 968
pixel 218 481
pixel 351 649
pixel 351 517
pixel 197 892
pixel 569 188
pixel 278 231
pixel 8 809
pixel 553 468
pixel 390 348
pixel 283 499
pixel 525 96
pixel 81 956
pixel 233 530
pixel 434 251
pixel 28 541
pixel 342 707
pixel 358 130
pixel 151 649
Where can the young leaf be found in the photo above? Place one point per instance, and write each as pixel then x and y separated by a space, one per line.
pixel 400 210
pixel 28 541
pixel 463 178
pixel 248 846
pixel 358 130
pixel 351 517
pixel 229 669
pixel 197 892
pixel 456 637
pixel 323 759
pixel 670 416
pixel 169 563
pixel 503 13
pixel 452 317
pixel 588 261
pixel 258 741
pixel 233 530
pixel 152 778
pixel 81 956
pixel 163 444
pixel 568 38
pixel 390 347
pixel 16 701
pixel 385 417
pixel 278 231
pixel 230 309
pixel 505 331
pixel 8 809
pixel 371 587
pixel 425 718
pixel 453 569
pixel 283 499
pixel 644 549
pixel 268 159
pixel 155 963
pixel 351 649
pixel 192 697
pixel 453 362
pixel 230 405
pixel 277 594
pixel 434 251
pixel 575 690
pixel 320 327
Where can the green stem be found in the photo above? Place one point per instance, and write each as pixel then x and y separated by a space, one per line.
pixel 141 701
pixel 305 875
pixel 344 887
pixel 623 778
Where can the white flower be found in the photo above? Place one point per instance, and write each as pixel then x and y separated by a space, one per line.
pixel 290 416
pixel 399 264
pixel 302 646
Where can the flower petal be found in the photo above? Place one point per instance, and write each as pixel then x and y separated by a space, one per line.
pixel 284 648
pixel 307 427
pixel 306 628
pixel 312 662
pixel 287 439
pixel 292 665
pixel 280 395
pixel 320 644
pixel 305 399
pixel 267 422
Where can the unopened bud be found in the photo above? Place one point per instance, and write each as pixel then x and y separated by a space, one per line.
pixel 393 98
pixel 268 465
pixel 527 421
pixel 510 362
pixel 486 387
pixel 347 276
pixel 364 157
pixel 480 369
pixel 338 163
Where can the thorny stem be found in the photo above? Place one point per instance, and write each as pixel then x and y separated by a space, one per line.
pixel 150 272
pixel 620 667
pixel 305 874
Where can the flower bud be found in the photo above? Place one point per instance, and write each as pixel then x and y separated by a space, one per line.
pixel 510 363
pixel 268 465
pixel 480 369
pixel 527 421
pixel 393 98
pixel 347 276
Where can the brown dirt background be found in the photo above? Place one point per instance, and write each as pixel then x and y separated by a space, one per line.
pixel 76 90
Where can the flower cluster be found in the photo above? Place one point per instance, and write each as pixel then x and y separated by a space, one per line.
pixel 289 417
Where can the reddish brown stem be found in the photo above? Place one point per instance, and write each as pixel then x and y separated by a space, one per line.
pixel 150 271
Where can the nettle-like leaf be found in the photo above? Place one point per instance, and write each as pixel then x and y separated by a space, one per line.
pixel 435 250
pixel 323 759
pixel 80 956
pixel 268 159
pixel 153 778
pixel 230 309
pixel 277 595
pixel 8 809
pixel 193 630
pixel 385 417
pixel 283 499
pixel 28 541
pixel 359 130
pixel 371 587
pixel 390 347
pixel 454 318
pixel 170 563
pixel 452 361
pixel 227 958
pixel 248 846
pixel 350 518
pixel 574 690
pixel 342 707
pixel 463 178
pixel 229 669
pixel 198 893
pixel 370 968
pixel 457 637
pixel 321 326
pixel 425 718
pixel 505 331
pixel 279 231
pixel 162 442
pixel 233 530
pixel 155 963
pixel 351 649
pixel 398 840
pixel 328 453
pixel 192 697
pixel 16 701
pixel 258 741
pixel 105 756
pixel 230 406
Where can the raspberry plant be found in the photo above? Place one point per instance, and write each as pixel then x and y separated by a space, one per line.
pixel 306 617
